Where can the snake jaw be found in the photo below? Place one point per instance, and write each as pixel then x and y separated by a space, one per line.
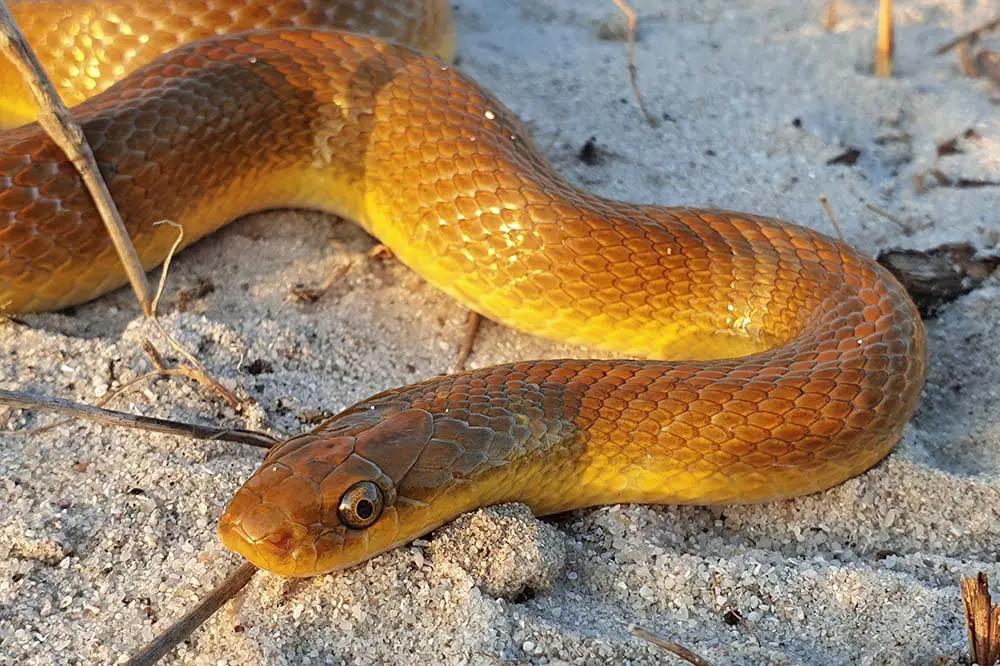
pixel 264 536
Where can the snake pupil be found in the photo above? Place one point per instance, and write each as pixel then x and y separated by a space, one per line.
pixel 364 509
pixel 361 505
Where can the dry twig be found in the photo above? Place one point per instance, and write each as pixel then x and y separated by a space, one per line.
pixel 468 341
pixel 380 251
pixel 906 227
pixel 988 63
pixel 982 619
pixel 885 44
pixel 308 294
pixel 57 121
pixel 193 370
pixel 19 400
pixel 969 36
pixel 966 60
pixel 830 15
pixel 670 646
pixel 833 218
pixel 633 71
pixel 121 390
pixel 194 618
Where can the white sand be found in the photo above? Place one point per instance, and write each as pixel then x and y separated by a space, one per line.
pixel 108 535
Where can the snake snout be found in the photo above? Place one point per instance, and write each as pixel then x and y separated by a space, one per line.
pixel 263 534
pixel 274 520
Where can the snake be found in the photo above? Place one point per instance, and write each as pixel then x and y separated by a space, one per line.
pixel 754 360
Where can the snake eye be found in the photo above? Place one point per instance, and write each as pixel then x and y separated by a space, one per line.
pixel 361 505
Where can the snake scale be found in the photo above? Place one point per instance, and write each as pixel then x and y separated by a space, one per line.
pixel 779 361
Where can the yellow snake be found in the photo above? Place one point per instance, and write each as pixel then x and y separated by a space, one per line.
pixel 811 357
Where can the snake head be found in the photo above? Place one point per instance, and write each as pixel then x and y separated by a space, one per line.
pixel 327 499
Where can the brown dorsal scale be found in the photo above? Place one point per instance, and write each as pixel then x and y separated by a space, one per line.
pixel 396 443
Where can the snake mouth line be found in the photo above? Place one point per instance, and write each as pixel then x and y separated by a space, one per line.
pixel 288 549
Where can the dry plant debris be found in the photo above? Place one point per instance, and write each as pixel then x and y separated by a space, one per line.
pixel 939 275
pixel 982 618
pixel 885 45
pixel 633 71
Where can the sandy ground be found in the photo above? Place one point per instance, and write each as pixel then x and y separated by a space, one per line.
pixel 107 535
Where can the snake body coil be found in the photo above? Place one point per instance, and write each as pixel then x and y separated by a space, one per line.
pixel 812 357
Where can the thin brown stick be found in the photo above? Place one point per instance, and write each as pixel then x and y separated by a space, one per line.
pixel 194 618
pixel 121 390
pixel 468 341
pixel 193 370
pixel 633 71
pixel 982 619
pixel 57 121
pixel 20 400
pixel 878 210
pixel 989 63
pixel 966 61
pixel 165 271
pixel 968 36
pixel 308 294
pixel 828 207
pixel 670 646
pixel 885 44
pixel 830 15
